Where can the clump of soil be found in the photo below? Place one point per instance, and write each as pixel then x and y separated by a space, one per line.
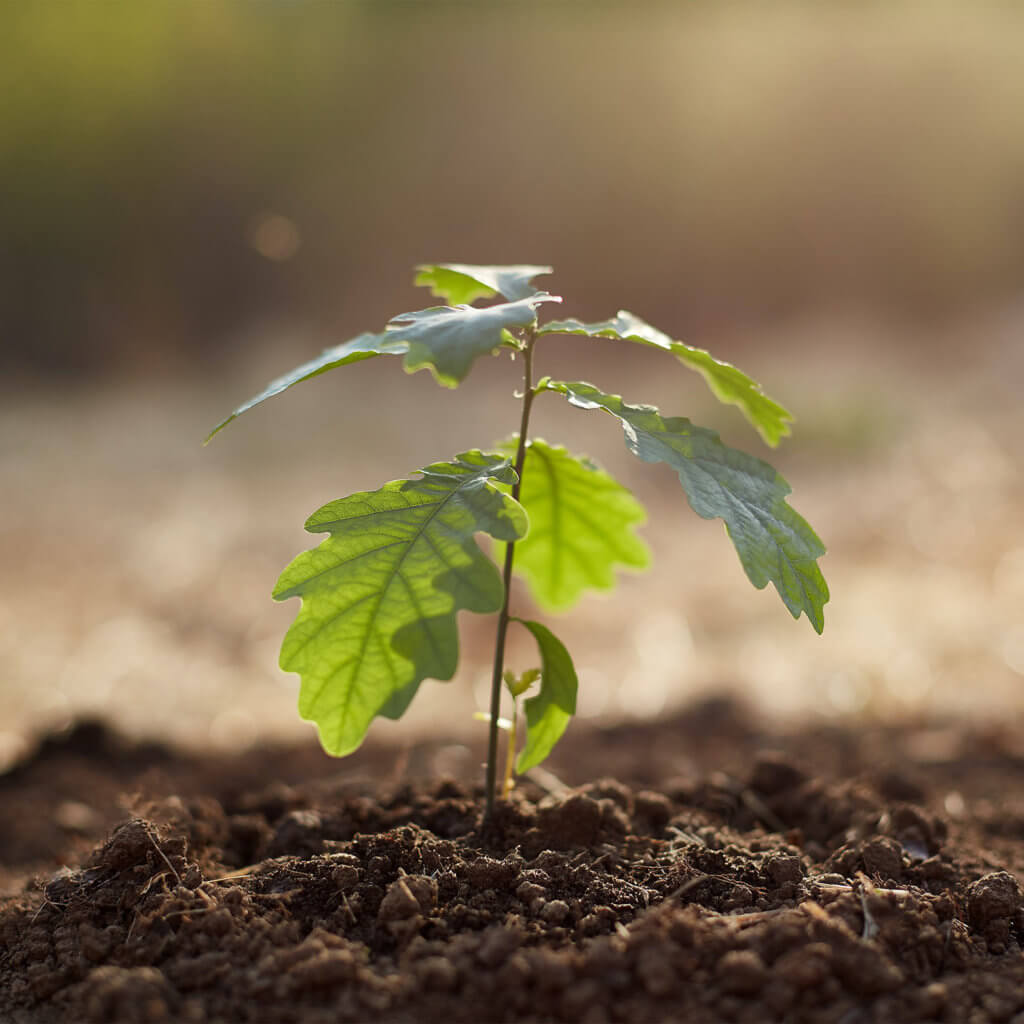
pixel 726 873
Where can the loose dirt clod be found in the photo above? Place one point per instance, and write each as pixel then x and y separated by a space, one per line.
pixel 883 857
pixel 994 897
pixel 268 887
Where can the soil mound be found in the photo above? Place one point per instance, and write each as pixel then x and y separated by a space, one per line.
pixel 685 870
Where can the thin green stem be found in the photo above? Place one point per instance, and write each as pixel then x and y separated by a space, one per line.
pixel 506 575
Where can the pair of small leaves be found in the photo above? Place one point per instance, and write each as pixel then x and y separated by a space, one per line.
pixel 548 711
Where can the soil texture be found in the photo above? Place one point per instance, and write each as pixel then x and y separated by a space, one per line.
pixel 706 868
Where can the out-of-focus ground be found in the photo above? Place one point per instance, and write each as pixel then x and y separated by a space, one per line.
pixel 202 195
pixel 139 565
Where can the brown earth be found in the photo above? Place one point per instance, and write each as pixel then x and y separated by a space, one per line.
pixel 705 868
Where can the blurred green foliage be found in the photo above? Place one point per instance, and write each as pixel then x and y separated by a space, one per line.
pixel 176 170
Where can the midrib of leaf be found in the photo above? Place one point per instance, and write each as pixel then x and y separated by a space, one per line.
pixel 750 509
pixel 785 569
pixel 391 578
pixel 323 625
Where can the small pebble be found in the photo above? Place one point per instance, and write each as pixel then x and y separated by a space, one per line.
pixel 555 912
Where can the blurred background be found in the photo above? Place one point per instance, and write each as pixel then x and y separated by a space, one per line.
pixel 199 195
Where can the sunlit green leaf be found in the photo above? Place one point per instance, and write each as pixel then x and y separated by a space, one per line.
pixel 447 339
pixel 364 347
pixel 548 714
pixel 379 595
pixel 774 542
pixel 582 524
pixel 729 384
pixel 459 283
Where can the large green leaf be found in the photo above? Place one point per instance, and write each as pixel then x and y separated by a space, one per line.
pixel 379 596
pixel 729 384
pixel 363 347
pixel 447 339
pixel 459 283
pixel 548 714
pixel 582 524
pixel 774 542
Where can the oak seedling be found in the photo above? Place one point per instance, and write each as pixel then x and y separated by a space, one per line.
pixel 380 594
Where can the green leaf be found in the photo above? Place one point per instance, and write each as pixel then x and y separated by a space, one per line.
pixel 363 347
pixel 379 595
pixel 773 541
pixel 517 685
pixel 460 283
pixel 548 714
pixel 729 384
pixel 582 524
pixel 444 339
pixel 447 339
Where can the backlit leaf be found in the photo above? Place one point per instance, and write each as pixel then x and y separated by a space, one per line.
pixel 379 595
pixel 548 713
pixel 729 384
pixel 582 524
pixel 774 542
pixel 447 339
pixel 459 283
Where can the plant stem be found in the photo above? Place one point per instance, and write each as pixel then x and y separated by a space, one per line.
pixel 503 615
pixel 510 752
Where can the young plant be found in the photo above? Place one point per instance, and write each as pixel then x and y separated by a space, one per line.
pixel 380 594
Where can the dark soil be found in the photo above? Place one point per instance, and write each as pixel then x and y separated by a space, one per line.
pixel 704 868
